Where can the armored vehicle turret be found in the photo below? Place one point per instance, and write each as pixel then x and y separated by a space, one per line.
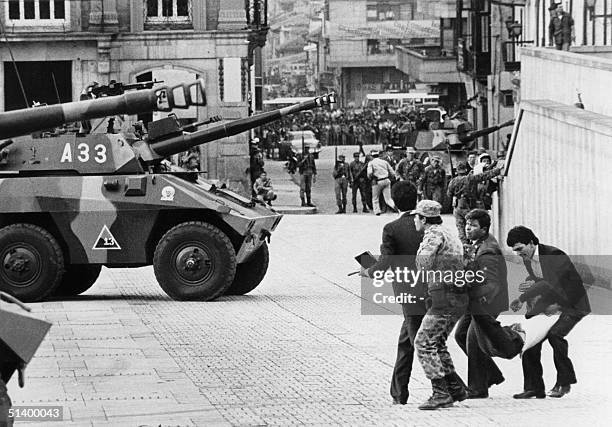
pixel 451 139
pixel 74 202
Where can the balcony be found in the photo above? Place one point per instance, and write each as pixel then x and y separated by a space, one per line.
pixel 428 64
pixel 476 64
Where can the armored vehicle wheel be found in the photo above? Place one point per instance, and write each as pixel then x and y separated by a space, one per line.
pixel 250 274
pixel 32 262
pixel 194 261
pixel 77 279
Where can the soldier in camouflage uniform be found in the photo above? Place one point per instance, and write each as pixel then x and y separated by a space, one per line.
pixel 432 183
pixel 464 193
pixel 410 169
pixel 439 257
pixel 340 174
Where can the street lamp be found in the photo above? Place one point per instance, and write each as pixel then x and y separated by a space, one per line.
pixel 590 5
pixel 515 29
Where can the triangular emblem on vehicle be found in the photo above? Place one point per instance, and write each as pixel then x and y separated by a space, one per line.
pixel 106 240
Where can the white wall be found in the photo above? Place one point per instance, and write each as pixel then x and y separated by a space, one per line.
pixel 556 75
pixel 558 181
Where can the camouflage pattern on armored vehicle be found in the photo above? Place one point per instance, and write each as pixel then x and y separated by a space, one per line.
pixel 72 203
pixel 451 141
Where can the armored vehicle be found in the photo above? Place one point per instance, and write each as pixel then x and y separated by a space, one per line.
pixel 451 140
pixel 74 202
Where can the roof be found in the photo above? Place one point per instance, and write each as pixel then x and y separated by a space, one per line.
pixel 383 30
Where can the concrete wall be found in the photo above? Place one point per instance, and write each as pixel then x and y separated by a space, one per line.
pixel 557 182
pixel 556 75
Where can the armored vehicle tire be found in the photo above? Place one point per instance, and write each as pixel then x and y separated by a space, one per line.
pixel 250 274
pixel 194 261
pixel 32 262
pixel 77 279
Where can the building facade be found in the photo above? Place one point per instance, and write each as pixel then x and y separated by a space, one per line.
pixel 60 46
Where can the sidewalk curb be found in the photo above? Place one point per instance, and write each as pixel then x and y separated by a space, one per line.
pixel 295 210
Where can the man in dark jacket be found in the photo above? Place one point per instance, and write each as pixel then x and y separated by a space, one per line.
pixel 563 292
pixel 488 298
pixel 400 243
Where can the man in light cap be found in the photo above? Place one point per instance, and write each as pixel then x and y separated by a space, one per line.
pixel 380 171
pixel 341 174
pixel 432 183
pixel 410 169
pixel 439 258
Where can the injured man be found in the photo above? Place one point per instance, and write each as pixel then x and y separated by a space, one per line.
pixel 508 341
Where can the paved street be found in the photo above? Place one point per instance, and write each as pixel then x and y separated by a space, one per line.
pixel 323 195
pixel 295 351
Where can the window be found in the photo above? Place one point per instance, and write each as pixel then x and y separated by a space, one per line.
pixel 168 12
pixel 38 12
pixel 382 10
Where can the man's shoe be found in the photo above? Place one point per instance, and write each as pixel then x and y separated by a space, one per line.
pixel 440 397
pixel 303 204
pixel 528 394
pixel 354 210
pixel 478 394
pixel 400 400
pixel 365 210
pixel 456 387
pixel 378 214
pixel 559 390
pixel 310 205
pixel 339 211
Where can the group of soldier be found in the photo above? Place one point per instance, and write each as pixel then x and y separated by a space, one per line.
pixel 471 188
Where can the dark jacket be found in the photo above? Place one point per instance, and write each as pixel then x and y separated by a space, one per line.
pixel 400 243
pixel 566 286
pixel 490 260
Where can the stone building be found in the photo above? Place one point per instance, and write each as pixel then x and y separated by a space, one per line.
pixel 60 46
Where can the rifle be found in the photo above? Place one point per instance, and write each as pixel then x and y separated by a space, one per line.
pixel 117 88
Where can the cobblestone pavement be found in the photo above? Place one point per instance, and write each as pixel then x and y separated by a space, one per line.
pixel 295 351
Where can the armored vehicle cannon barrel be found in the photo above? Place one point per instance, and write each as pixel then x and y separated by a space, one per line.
pixel 177 144
pixel 471 135
pixel 25 121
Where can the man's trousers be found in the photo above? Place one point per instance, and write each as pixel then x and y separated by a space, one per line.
pixel 405 353
pixel 430 342
pixel 482 370
pixel 532 367
pixel 382 186
pixel 341 187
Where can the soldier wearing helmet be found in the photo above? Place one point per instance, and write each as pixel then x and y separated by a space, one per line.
pixel 463 189
pixel 410 168
pixel 433 180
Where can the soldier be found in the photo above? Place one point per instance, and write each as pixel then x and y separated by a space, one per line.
pixel 439 257
pixel 263 188
pixel 357 181
pixel 463 191
pixel 308 175
pixel 410 169
pixel 432 183
pixel 341 174
pixel 257 163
